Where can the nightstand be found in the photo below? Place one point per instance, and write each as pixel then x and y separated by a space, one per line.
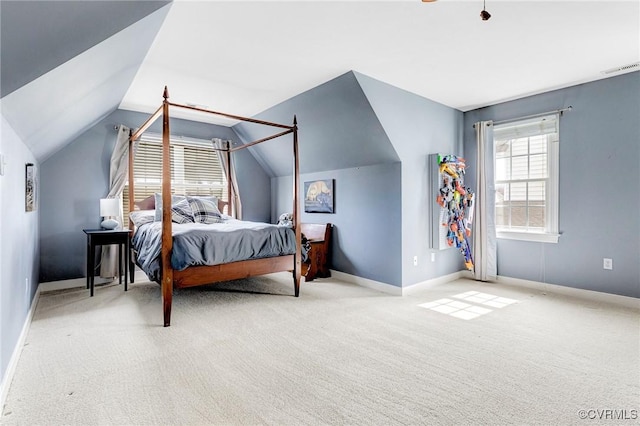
pixel 103 237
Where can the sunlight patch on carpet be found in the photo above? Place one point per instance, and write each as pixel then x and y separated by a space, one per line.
pixel 467 311
pixel 485 299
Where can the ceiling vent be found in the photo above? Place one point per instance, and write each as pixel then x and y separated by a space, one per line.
pixel 624 68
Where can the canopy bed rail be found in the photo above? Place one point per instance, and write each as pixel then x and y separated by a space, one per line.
pixel 199 275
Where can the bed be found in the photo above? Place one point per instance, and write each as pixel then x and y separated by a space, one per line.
pixel 229 249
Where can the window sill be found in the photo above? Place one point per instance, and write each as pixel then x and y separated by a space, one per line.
pixel 528 236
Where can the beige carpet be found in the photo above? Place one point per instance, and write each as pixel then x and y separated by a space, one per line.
pixel 249 353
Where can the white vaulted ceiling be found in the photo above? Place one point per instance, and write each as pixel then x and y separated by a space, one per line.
pixel 248 56
pixel 244 57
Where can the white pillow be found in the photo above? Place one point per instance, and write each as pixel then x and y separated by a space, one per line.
pixel 140 217
pixel 158 197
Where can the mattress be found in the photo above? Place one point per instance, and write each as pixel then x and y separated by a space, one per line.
pixel 197 244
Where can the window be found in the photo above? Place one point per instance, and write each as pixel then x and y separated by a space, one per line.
pixel 526 179
pixel 195 169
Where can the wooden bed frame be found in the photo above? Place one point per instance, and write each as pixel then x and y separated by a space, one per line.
pixel 199 275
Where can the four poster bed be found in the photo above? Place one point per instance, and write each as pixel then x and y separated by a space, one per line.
pixel 287 257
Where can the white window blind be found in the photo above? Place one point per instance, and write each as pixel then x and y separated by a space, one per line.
pixel 195 169
pixel 526 179
pixel 525 128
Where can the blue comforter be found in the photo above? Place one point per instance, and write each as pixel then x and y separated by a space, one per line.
pixel 211 244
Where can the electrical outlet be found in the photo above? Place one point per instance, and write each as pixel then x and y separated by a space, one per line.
pixel 607 263
pixel 415 260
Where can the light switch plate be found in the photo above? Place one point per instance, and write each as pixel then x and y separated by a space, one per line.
pixel 1 164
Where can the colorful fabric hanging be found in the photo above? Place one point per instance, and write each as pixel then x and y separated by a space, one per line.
pixel 456 202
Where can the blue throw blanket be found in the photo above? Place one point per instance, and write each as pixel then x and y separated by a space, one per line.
pixel 212 244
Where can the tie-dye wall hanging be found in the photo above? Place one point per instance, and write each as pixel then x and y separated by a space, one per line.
pixel 452 213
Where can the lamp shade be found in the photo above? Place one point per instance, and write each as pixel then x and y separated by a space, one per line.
pixel 109 207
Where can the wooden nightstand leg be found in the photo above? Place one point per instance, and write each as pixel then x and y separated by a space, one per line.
pixel 89 262
pixel 92 258
pixel 120 263
pixel 126 264
pixel 132 266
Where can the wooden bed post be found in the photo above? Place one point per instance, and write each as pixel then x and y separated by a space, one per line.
pixel 199 275
pixel 131 265
pixel 297 270
pixel 167 236
pixel 230 203
pixel 132 195
pixel 131 184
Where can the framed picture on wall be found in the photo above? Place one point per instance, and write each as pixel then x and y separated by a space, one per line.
pixel 318 196
pixel 30 188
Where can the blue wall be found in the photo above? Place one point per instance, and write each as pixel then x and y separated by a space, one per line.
pixel 599 187
pixel 337 130
pixel 76 177
pixel 366 239
pixel 341 138
pixel 374 140
pixel 387 187
pixel 18 245
pixel 417 127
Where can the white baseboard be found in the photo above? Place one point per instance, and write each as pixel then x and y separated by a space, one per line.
pixel 140 276
pixel 596 296
pixel 44 287
pixel 365 282
pixel 65 284
pixel 413 288
pixel 17 350
pixel 392 289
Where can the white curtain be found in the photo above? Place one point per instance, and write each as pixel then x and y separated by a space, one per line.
pixel 118 174
pixel 484 226
pixel 235 206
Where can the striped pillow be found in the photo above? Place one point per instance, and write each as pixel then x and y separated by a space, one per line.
pixel 181 212
pixel 205 210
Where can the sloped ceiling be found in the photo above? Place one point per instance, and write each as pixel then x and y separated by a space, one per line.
pixel 245 57
pixel 32 46
pixel 71 94
pixel 336 126
pixel 66 64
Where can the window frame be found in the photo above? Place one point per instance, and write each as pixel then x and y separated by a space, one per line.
pixel 550 234
pixel 178 145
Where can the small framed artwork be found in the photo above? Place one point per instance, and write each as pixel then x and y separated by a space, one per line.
pixel 318 196
pixel 30 200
